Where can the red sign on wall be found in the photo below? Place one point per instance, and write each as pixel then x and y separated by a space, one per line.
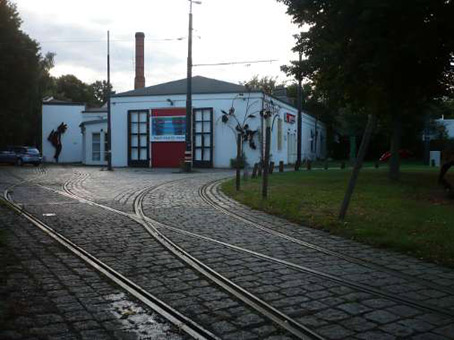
pixel 289 118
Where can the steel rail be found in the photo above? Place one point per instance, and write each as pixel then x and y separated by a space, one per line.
pixel 361 287
pixel 173 316
pixel 284 321
pixel 287 323
pixel 365 263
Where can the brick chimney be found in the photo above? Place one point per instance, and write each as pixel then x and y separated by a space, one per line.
pixel 139 80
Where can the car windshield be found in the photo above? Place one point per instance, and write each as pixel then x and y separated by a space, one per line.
pixel 33 151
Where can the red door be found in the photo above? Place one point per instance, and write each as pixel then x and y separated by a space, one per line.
pixel 167 137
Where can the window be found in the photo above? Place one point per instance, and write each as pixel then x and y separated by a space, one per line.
pixel 279 134
pixel 96 146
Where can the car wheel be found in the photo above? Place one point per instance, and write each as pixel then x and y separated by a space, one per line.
pixel 35 164
pixel 20 162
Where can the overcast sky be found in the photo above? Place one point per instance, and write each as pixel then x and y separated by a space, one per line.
pixel 224 31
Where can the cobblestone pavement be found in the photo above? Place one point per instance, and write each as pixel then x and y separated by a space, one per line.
pixel 333 309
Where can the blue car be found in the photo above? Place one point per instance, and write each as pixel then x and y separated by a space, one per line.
pixel 8 155
pixel 27 155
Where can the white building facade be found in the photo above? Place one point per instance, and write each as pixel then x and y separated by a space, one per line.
pixel 148 127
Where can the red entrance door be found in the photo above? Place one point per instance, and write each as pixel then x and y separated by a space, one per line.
pixel 167 137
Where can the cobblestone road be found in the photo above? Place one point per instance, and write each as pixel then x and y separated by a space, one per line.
pixel 335 309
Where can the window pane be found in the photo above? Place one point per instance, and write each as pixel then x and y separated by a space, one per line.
pixel 143 140
pixel 207 140
pixel 207 115
pixel 198 115
pixel 134 141
pixel 134 154
pixel 143 116
pixel 198 127
pixel 207 127
pixel 134 116
pixel 134 128
pixel 198 154
pixel 198 140
pixel 143 154
pixel 206 154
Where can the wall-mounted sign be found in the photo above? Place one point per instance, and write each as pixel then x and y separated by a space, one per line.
pixel 168 128
pixel 289 118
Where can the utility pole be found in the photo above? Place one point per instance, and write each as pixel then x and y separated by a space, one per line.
pixel 188 136
pixel 109 130
pixel 300 123
pixel 266 165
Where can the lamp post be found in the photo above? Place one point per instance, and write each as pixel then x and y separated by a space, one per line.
pixel 109 130
pixel 188 135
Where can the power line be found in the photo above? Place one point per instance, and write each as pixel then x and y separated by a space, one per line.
pixel 96 41
pixel 238 62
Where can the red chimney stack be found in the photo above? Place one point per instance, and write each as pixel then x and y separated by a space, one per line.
pixel 139 81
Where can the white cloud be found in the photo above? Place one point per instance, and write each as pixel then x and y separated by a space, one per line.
pixel 229 30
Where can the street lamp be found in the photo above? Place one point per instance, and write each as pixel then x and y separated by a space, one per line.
pixel 188 136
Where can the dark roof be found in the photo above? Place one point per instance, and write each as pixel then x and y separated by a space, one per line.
pixel 200 85
pixel 95 109
pixel 61 102
pixel 90 122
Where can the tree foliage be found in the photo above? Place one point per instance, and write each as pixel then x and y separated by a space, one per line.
pixel 382 57
pixel 22 74
pixel 25 80
pixel 266 83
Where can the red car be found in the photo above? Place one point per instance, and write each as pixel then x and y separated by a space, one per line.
pixel 403 154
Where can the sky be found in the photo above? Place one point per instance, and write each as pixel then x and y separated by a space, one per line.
pixel 224 31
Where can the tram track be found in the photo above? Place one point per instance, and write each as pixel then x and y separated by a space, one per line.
pixel 154 228
pixel 286 323
pixel 180 321
pixel 206 194
pixel 357 286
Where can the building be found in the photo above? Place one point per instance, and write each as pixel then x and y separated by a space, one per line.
pixel 148 125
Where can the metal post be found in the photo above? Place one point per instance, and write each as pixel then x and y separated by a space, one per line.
pixel 267 156
pixel 238 157
pixel 188 151
pixel 109 133
pixel 300 123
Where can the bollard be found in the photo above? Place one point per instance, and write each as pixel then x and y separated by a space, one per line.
pixel 281 166
pixel 432 162
pixel 342 165
pixel 271 168
pixel 326 165
pixel 377 165
pixel 308 165
pixel 259 173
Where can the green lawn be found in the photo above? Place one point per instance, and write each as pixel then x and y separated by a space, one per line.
pixel 412 216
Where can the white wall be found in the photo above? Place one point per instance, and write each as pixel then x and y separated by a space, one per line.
pixel 223 138
pixel 52 116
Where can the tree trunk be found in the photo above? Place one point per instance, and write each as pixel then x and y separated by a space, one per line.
pixel 394 162
pixel 358 164
pixel 238 155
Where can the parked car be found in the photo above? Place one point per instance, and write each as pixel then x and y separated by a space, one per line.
pixel 403 153
pixel 8 155
pixel 26 155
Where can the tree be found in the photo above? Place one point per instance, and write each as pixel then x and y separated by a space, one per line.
pixel 100 91
pixel 384 58
pixel 22 68
pixel 266 84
